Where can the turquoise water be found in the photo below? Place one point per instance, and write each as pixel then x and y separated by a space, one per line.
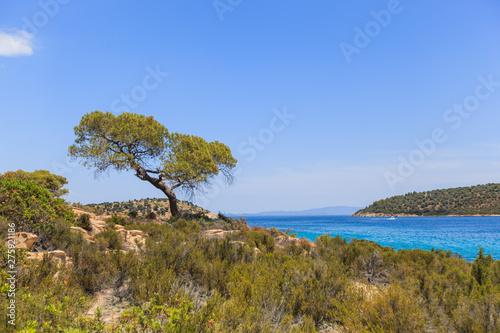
pixel 462 235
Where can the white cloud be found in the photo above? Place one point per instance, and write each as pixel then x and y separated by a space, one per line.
pixel 17 43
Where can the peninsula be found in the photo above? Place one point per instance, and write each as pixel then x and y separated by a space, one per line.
pixel 480 200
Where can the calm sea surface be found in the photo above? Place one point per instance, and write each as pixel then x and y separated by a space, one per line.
pixel 462 235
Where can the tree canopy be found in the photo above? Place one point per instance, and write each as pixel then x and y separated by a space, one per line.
pixel 141 144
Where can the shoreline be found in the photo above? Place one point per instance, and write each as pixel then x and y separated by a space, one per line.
pixel 414 215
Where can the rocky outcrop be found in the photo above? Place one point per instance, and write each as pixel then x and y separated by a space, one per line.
pixel 217 233
pixel 284 240
pixel 25 240
pixel 97 224
pixel 134 239
pixel 212 216
pixel 121 230
pixel 57 255
pixel 85 234
pixel 61 255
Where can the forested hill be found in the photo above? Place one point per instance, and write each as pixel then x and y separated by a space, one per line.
pixel 159 206
pixel 473 200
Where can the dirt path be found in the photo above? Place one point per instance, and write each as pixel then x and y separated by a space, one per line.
pixel 111 306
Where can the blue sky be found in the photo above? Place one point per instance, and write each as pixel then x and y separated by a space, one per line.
pixel 323 103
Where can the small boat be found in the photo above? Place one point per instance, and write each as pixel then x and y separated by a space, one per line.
pixel 392 218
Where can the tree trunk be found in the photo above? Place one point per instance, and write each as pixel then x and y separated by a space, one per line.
pixel 172 200
pixel 142 174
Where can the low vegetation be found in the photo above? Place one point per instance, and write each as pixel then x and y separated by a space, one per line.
pixel 142 207
pixel 473 200
pixel 245 280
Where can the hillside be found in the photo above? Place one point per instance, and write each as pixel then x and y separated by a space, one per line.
pixel 160 206
pixel 472 200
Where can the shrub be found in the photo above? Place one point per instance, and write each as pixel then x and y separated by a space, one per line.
pixel 115 219
pixel 260 239
pixel 152 216
pixel 4 227
pixel 190 227
pixel 90 267
pixel 31 206
pixel 133 214
pixel 83 221
pixel 43 178
pixel 109 239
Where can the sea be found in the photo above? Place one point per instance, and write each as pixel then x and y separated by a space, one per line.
pixel 460 235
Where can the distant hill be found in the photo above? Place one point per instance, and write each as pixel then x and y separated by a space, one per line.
pixel 160 206
pixel 338 210
pixel 466 201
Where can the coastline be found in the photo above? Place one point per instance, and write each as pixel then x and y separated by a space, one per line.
pixel 415 215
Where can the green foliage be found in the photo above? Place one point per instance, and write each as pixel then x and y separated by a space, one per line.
pixel 115 219
pixel 395 309
pixel 260 239
pixel 45 303
pixel 31 206
pixel 43 178
pixel 481 267
pixel 104 140
pixel 191 161
pixel 473 200
pixel 109 239
pixel 134 208
pixel 83 221
pixel 90 267
pixel 152 216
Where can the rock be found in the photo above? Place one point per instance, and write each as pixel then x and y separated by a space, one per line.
pixel 25 240
pixel 133 239
pixel 58 255
pixel 217 233
pixel 133 233
pixel 79 211
pixel 34 256
pixel 284 240
pixel 212 216
pixel 238 243
pixel 121 230
pixel 84 232
pixel 96 223
pixel 61 255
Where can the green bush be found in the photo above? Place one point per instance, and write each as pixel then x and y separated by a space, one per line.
pixel 152 216
pixel 83 221
pixel 108 239
pixel 90 267
pixel 32 207
pixel 115 219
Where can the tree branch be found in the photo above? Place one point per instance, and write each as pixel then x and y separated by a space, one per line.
pixel 153 171
pixel 176 185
